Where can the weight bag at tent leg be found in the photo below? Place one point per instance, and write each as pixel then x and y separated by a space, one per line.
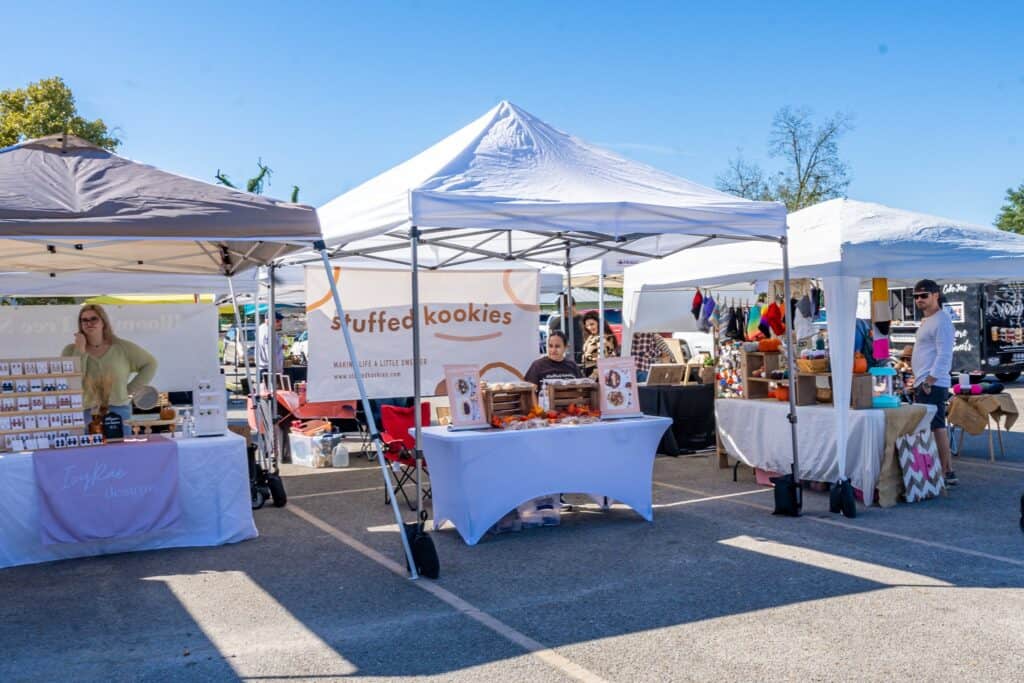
pixel 788 495
pixel 277 492
pixel 841 499
pixel 847 500
pixel 424 554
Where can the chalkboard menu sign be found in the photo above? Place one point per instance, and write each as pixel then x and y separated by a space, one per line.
pixel 961 302
pixel 1004 319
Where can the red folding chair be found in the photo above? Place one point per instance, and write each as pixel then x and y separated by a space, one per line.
pixel 399 448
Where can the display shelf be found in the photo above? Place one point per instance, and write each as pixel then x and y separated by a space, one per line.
pixel 50 374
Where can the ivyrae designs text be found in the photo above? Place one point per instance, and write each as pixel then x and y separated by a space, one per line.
pixel 377 322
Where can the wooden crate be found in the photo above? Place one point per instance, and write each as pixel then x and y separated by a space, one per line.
pixel 585 396
pixel 508 402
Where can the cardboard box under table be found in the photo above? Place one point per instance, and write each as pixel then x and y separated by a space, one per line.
pixel 757 434
pixel 476 477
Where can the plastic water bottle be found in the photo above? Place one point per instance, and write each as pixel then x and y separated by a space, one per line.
pixel 543 397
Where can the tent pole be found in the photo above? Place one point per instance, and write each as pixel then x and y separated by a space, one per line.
pixel 791 364
pixel 371 424
pixel 569 326
pixel 414 238
pixel 253 394
pixel 600 308
pixel 272 369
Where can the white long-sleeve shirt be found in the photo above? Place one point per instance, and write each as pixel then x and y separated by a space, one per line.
pixel 933 349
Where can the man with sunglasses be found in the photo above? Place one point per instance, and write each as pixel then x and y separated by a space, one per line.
pixel 932 362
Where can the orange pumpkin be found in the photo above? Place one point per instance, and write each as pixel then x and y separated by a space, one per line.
pixel 860 363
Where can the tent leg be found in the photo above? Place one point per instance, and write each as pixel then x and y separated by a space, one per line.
pixel 371 423
pixel 568 318
pixel 272 346
pixel 600 308
pixel 414 239
pixel 791 364
pixel 253 393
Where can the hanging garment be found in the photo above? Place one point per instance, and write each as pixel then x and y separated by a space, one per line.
pixel 715 318
pixel 802 319
pixel 695 307
pixel 753 324
pixel 725 322
pixel 704 321
pixel 773 316
pixel 736 325
pixel 816 302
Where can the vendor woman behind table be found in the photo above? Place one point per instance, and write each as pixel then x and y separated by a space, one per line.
pixel 554 365
pixel 105 355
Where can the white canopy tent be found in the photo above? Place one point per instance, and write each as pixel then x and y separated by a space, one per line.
pixel 508 186
pixel 846 243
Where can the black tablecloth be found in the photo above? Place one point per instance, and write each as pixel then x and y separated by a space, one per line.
pixel 692 409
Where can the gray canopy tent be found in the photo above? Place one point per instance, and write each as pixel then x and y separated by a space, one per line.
pixel 511 187
pixel 71 212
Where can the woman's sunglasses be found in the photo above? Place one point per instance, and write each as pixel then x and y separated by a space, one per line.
pixel 922 295
pixel 89 321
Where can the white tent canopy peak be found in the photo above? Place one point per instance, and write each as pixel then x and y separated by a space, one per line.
pixel 509 185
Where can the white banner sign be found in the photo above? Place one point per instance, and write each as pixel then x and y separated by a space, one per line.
pixel 486 318
pixel 182 337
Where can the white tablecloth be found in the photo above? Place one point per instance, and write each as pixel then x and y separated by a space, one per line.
pixel 215 500
pixel 757 433
pixel 477 477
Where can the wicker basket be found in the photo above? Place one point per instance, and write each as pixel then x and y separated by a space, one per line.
pixel 813 365
pixel 823 395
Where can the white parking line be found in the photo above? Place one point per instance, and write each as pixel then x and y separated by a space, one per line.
pixel 335 493
pixel 534 648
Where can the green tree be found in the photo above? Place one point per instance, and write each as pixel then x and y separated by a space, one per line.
pixel 1011 216
pixel 256 184
pixel 47 107
pixel 813 170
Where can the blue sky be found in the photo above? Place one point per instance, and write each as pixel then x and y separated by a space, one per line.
pixel 329 94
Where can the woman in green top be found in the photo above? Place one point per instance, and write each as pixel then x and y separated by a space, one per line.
pixel 108 359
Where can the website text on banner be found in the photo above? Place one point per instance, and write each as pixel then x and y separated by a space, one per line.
pixel 486 318
pixel 182 337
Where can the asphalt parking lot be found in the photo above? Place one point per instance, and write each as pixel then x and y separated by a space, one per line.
pixel 715 588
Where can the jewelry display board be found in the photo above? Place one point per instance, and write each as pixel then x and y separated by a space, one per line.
pixel 41 404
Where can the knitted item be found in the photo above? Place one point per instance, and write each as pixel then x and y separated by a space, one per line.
pixel 773 316
pixel 703 322
pixel 698 300
pixel 753 332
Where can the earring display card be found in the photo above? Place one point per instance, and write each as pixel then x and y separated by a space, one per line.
pixel 28 417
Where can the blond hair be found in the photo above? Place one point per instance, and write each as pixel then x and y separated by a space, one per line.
pixel 108 331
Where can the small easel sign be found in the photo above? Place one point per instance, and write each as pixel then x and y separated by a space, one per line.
pixel 619 396
pixel 465 397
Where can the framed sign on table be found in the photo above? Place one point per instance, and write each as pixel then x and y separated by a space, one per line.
pixel 465 397
pixel 619 396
